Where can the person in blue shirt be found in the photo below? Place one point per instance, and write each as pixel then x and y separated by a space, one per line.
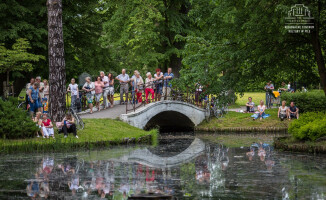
pixel 168 76
pixel 34 98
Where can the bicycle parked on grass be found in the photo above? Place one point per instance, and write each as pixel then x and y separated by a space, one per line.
pixel 216 108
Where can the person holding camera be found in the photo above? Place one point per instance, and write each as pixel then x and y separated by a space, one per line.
pixel 69 125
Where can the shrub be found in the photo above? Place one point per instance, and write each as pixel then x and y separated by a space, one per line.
pixel 310 126
pixel 308 101
pixel 14 122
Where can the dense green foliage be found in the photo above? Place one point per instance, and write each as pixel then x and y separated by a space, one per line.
pixel 244 43
pixel 310 126
pixel 14 122
pixel 226 45
pixel 17 58
pixel 307 101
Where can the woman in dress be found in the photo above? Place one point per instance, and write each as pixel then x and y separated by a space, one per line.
pixel 89 88
pixel 98 91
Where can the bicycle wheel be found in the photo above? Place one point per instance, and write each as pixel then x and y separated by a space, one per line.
pixel 79 122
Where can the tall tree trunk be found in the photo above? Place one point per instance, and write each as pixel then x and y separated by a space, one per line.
pixel 318 53
pixel 57 72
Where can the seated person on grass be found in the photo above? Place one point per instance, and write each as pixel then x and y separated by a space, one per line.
pixel 47 126
pixel 250 106
pixel 261 111
pixel 282 111
pixel 37 119
pixel 69 126
pixel 293 111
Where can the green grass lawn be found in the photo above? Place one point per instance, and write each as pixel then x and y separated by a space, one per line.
pixel 97 132
pixel 242 100
pixel 235 119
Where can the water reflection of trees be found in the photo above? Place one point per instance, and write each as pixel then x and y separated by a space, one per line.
pixel 217 172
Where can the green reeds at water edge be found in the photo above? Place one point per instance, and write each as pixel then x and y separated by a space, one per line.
pixel 97 133
pixel 68 144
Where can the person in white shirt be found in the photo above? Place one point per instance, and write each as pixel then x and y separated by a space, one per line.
pixel 138 84
pixel 124 79
pixel 105 93
pixel 73 89
pixel 283 111
pixel 261 109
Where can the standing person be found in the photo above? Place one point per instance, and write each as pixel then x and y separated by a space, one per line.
pixel 34 98
pixel 250 106
pixel 138 84
pixel 46 90
pixel 123 78
pixel 99 85
pixel 89 87
pixel 199 90
pixel 282 111
pixel 45 105
pixel 149 81
pixel 73 89
pixel 158 84
pixel 133 88
pixel 269 87
pixel 168 76
pixel 41 90
pixel 28 86
pixel 111 89
pixel 47 126
pixel 69 125
pixel 105 92
pixel 293 111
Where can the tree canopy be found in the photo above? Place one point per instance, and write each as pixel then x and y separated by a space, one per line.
pixel 238 45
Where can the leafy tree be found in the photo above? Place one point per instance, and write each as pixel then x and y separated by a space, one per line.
pixel 17 58
pixel 141 34
pixel 241 42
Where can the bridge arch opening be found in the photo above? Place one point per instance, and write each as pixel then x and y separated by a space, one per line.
pixel 170 121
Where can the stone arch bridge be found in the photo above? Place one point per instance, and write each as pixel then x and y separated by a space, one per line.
pixel 166 114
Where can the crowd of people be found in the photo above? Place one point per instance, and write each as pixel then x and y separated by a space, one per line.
pixel 103 87
pixel 284 112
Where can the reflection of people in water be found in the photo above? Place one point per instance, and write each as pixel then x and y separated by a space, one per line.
pixel 224 159
pixel 74 183
pixel 261 153
pixel 269 164
pixel 251 153
pixel 89 186
pixel 33 188
pixel 202 172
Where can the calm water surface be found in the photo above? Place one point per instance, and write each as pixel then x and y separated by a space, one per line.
pixel 187 168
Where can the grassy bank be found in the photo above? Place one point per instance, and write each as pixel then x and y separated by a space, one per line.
pixel 239 140
pixel 97 133
pixel 243 122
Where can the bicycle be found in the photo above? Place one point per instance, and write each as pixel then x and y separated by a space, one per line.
pixel 79 122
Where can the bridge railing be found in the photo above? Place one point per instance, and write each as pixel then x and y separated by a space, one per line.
pixel 142 94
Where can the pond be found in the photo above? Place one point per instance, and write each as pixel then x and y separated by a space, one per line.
pixel 185 167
